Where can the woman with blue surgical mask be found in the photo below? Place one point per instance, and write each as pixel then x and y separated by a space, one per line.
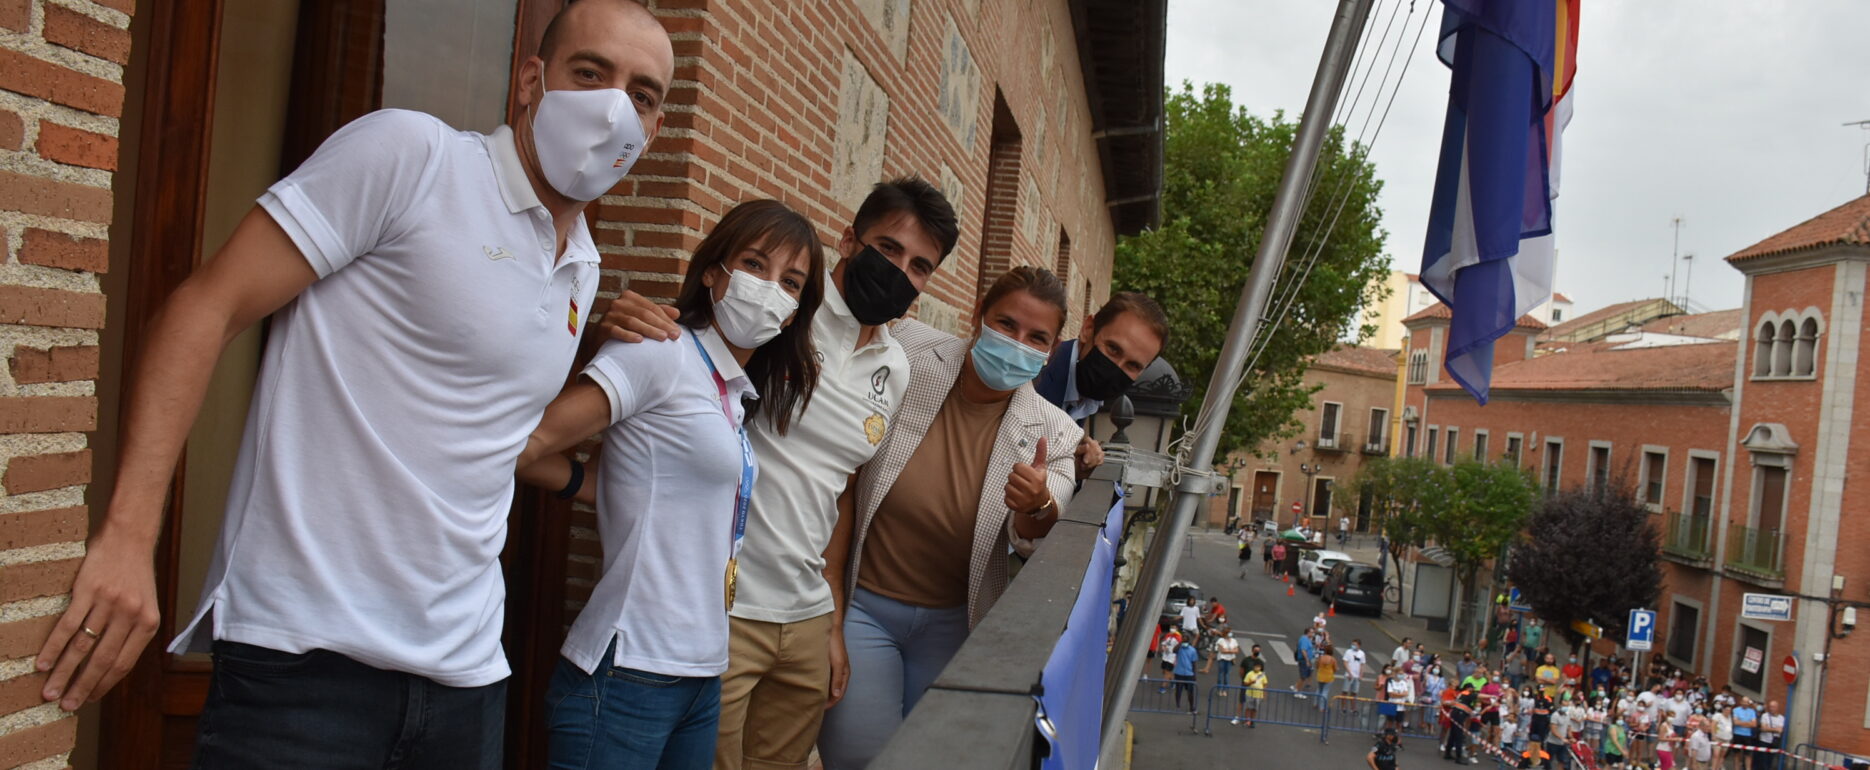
pixel 975 465
pixel 638 683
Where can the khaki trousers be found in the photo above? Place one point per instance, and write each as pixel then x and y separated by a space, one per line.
pixel 773 694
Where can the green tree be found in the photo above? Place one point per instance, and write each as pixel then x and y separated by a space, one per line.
pixel 1473 511
pixel 1395 486
pixel 1589 554
pixel 1221 167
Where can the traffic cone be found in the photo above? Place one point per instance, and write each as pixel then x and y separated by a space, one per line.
pixel 1289 591
pixel 1285 577
pixel 1333 612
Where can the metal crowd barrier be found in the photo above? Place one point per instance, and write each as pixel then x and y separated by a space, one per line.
pixel 1296 708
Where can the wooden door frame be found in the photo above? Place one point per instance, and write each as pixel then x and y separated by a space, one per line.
pixel 170 194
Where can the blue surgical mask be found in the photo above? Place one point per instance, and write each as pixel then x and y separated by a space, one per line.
pixel 1003 363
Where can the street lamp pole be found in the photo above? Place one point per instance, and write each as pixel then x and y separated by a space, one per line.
pixel 1282 221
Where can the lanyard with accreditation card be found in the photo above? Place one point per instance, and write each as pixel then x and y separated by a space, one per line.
pixel 742 497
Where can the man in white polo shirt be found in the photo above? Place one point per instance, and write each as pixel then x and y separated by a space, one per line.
pixel 428 288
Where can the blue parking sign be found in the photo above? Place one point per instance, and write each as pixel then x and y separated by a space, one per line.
pixel 1642 631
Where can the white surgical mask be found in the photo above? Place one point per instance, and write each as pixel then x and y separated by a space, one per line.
pixel 586 140
pixel 753 311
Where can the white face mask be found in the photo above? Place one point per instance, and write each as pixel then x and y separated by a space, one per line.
pixel 753 311
pixel 586 140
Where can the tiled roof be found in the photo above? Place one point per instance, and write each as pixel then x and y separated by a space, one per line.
pixel 1597 317
pixel 1705 367
pixel 1710 325
pixel 1441 310
pixel 1849 223
pixel 1378 361
pixel 1559 296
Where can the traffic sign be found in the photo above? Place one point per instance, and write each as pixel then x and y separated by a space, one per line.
pixel 1642 631
pixel 1296 508
pixel 1517 603
pixel 1790 668
pixel 1588 629
pixel 1766 607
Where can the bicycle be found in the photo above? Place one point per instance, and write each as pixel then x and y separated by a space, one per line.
pixel 1392 592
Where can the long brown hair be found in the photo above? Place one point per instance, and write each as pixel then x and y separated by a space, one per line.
pixel 785 369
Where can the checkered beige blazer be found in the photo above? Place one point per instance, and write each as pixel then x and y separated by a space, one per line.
pixel 935 359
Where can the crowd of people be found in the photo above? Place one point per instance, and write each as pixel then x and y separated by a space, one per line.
pixel 805 501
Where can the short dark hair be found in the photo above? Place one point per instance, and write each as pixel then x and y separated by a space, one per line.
pixel 1040 283
pixel 915 196
pixel 1136 302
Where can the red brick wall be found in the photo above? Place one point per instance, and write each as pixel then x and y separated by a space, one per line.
pixel 755 112
pixel 61 93
pixel 1358 392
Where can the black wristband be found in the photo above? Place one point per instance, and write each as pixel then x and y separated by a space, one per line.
pixel 576 482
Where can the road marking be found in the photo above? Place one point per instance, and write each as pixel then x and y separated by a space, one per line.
pixel 1271 634
pixel 1285 653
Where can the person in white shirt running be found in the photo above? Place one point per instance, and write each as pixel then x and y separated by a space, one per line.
pixel 427 289
pixel 639 681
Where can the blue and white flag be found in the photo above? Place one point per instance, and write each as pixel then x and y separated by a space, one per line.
pixel 1489 253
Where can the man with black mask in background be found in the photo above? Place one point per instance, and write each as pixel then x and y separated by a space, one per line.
pixel 1116 344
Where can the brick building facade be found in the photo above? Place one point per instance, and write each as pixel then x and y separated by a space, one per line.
pixel 1735 428
pixel 1349 420
pixel 132 138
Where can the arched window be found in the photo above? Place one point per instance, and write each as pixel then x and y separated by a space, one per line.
pixel 1782 348
pixel 1763 351
pixel 1805 352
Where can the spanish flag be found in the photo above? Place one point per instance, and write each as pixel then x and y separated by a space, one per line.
pixel 1489 253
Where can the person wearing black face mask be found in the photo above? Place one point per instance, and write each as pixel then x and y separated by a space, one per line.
pixel 1116 344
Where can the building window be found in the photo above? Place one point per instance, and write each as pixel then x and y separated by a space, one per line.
pixel 1782 348
pixel 1321 497
pixel 1515 445
pixel 1805 350
pixel 1750 659
pixel 1433 433
pixel 1701 485
pixel 1554 462
pixel 1418 367
pixel 1599 470
pixel 1769 512
pixel 1328 424
pixel 1655 464
pixel 1763 351
pixel 1684 632
pixel 1480 446
pixel 1454 440
pixel 1379 433
pixel 1409 441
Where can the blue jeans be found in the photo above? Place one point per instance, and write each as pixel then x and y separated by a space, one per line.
pixel 1227 667
pixel 621 718
pixel 896 650
pixel 320 709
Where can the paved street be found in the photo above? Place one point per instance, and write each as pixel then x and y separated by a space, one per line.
pixel 1261 613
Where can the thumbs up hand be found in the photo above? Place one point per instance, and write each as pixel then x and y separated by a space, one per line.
pixel 1025 486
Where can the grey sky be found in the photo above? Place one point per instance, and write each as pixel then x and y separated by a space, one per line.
pixel 1727 113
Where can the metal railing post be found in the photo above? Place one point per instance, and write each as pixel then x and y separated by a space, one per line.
pixel 1282 223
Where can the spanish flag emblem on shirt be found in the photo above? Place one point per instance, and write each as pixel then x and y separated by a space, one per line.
pixel 571 323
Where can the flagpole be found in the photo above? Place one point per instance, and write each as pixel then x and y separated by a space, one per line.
pixel 1282 221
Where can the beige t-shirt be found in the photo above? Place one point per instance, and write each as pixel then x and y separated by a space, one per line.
pixel 922 536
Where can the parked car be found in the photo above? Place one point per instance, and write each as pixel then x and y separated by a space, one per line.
pixel 1180 592
pixel 1314 565
pixel 1355 585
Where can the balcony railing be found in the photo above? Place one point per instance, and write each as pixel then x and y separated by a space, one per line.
pixel 1685 535
pixel 1337 442
pixel 1756 551
pixel 1377 445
